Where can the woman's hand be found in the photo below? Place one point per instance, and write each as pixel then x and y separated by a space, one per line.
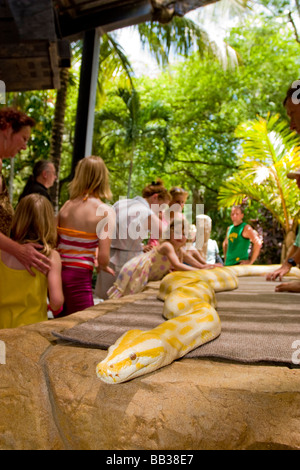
pixel 30 257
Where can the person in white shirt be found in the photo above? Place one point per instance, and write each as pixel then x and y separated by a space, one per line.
pixel 135 219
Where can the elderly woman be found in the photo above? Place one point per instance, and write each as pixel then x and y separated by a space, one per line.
pixel 15 130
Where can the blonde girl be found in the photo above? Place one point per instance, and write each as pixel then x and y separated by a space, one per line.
pixel 85 224
pixel 155 264
pixel 23 297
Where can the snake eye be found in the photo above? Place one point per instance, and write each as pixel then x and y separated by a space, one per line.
pixel 132 356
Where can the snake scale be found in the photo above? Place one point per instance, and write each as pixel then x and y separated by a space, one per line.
pixel 191 321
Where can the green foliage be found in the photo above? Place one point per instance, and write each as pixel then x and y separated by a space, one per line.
pixel 270 151
pixel 208 104
pixel 180 126
pixel 40 106
pixel 128 133
pixel 181 37
pixel 115 69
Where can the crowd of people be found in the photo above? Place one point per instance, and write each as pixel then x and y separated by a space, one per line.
pixel 48 261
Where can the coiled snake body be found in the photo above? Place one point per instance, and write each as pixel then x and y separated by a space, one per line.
pixel 192 320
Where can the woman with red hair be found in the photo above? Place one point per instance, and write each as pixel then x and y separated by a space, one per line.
pixel 15 131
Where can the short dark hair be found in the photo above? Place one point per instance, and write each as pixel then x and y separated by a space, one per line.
pixel 39 167
pixel 291 90
pixel 240 207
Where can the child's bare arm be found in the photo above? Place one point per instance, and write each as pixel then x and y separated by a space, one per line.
pixel 168 250
pixel 197 262
pixel 193 260
pixel 105 230
pixel 103 256
pixel 55 290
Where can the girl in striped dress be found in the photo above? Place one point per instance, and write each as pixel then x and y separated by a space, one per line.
pixel 83 230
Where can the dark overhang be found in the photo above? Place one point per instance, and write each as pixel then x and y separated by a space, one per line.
pixel 35 35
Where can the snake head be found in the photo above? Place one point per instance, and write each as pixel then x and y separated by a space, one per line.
pixel 135 353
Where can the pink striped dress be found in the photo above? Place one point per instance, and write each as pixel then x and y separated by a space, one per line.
pixel 77 251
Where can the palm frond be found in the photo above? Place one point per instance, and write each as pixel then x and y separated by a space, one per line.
pixel 270 151
pixel 114 66
pixel 224 11
pixel 183 36
pixel 119 51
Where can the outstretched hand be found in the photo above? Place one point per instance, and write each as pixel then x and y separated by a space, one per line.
pixel 209 266
pixel 279 273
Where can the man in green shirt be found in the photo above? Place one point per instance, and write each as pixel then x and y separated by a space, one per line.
pixel 239 236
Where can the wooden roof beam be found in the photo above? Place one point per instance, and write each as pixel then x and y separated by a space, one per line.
pixel 123 15
pixel 34 20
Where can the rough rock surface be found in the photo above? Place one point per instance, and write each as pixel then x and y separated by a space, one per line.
pixel 50 398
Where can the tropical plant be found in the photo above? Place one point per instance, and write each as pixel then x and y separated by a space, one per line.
pixel 269 151
pixel 181 37
pixel 115 68
pixel 131 126
pixel 37 105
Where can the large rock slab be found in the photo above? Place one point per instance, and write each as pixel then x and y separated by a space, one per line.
pixel 50 398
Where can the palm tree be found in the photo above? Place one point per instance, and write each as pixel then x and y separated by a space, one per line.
pixel 58 131
pixel 134 125
pixel 114 67
pixel 113 63
pixel 181 37
pixel 270 151
pixel 182 34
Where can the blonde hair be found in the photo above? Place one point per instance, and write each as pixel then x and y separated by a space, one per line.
pixel 192 233
pixel 91 179
pixel 34 222
pixel 156 187
pixel 204 225
pixel 178 224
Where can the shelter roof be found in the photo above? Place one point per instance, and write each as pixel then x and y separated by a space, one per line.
pixel 35 35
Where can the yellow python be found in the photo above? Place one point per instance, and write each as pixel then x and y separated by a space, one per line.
pixel 192 320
